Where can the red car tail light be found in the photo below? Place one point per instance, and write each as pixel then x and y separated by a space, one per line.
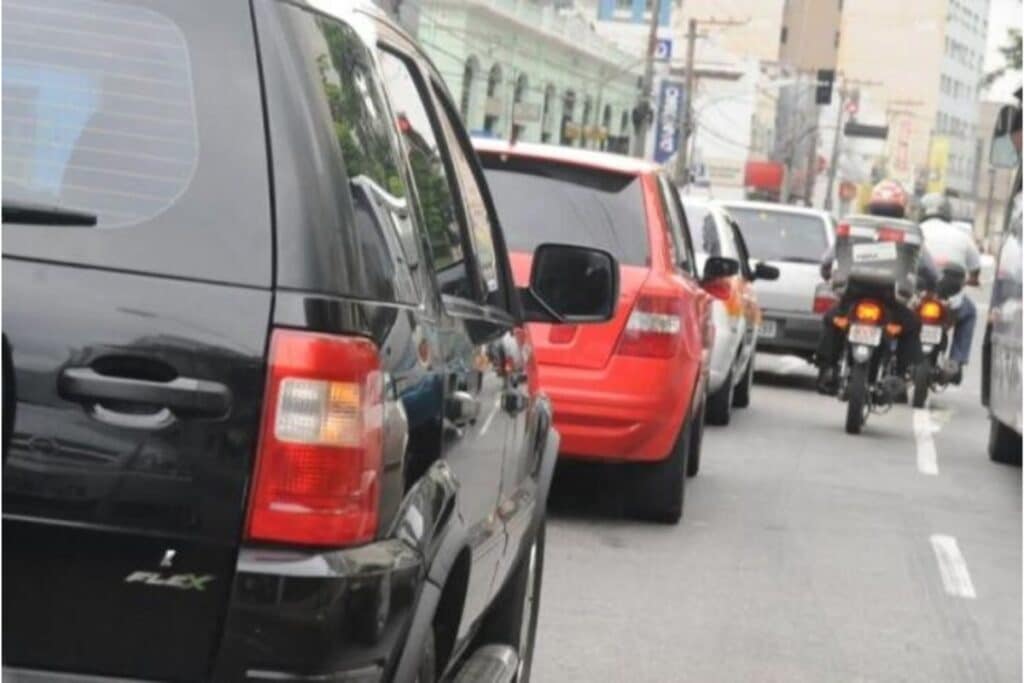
pixel 843 230
pixel 868 311
pixel 319 457
pixel 654 328
pixel 823 302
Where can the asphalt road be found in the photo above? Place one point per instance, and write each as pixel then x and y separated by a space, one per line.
pixel 804 554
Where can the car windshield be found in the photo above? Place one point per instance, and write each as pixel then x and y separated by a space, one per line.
pixel 541 201
pixel 782 235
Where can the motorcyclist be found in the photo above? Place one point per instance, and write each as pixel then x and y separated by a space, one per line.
pixel 950 246
pixel 888 198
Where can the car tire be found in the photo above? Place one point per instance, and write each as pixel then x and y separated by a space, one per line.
pixel 696 441
pixel 513 619
pixel 1004 444
pixel 658 490
pixel 719 409
pixel 741 397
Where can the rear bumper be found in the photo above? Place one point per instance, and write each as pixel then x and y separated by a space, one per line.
pixel 796 332
pixel 338 616
pixel 629 411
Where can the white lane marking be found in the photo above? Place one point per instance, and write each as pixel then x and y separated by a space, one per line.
pixel 927 462
pixel 490 417
pixel 952 566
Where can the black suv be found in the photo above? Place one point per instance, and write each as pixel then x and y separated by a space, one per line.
pixel 269 406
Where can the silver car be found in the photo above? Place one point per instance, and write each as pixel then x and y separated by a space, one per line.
pixel 794 238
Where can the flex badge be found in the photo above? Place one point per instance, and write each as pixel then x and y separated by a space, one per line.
pixel 187 582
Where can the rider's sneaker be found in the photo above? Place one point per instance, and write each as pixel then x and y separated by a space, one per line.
pixel 828 381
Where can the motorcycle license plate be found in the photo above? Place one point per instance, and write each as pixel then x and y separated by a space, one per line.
pixel 931 334
pixel 874 251
pixel 868 335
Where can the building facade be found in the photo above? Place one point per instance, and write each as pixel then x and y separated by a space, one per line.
pixel 531 70
pixel 926 59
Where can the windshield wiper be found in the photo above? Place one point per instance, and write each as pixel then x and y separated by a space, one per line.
pixel 33 213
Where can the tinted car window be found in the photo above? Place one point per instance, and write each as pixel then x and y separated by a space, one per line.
pixel 480 229
pixel 97 117
pixel 677 226
pixel 148 118
pixel 781 236
pixel 430 174
pixel 541 201
pixel 703 230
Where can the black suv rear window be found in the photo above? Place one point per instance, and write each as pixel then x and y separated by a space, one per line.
pixel 98 112
pixel 544 201
pixel 145 117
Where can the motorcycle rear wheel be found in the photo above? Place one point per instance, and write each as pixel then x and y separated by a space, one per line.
pixel 857 398
pixel 922 381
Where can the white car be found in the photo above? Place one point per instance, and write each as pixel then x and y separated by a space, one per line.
pixel 736 319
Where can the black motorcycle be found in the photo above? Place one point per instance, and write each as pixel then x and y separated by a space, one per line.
pixel 937 312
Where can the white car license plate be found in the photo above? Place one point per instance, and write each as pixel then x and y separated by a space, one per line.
pixel 874 251
pixel 768 329
pixel 931 334
pixel 869 335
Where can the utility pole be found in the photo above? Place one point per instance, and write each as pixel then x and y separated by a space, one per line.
pixel 834 157
pixel 642 112
pixel 686 127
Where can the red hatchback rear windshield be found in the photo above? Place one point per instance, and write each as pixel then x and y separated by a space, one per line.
pixel 544 201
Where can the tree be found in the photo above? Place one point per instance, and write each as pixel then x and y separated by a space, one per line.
pixel 1011 51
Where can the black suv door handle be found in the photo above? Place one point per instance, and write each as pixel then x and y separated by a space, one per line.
pixel 185 396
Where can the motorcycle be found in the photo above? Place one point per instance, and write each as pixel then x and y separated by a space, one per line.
pixel 868 381
pixel 937 311
pixel 876 262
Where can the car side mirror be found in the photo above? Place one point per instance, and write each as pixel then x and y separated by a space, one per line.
pixel 717 267
pixel 763 271
pixel 717 270
pixel 571 284
pixel 1003 151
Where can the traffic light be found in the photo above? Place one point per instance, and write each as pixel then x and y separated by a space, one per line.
pixel 823 92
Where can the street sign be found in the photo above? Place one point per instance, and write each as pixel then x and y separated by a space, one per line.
pixel 670 111
pixel 663 50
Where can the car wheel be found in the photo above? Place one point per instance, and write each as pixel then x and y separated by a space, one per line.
pixel 741 397
pixel 513 621
pixel 1004 444
pixel 659 489
pixel 720 403
pixel 696 440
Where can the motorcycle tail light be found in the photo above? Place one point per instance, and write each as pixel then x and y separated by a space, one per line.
pixel 868 311
pixel 931 311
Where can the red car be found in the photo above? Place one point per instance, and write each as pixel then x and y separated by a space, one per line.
pixel 631 390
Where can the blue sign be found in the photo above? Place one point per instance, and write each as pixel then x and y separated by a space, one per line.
pixel 667 123
pixel 663 50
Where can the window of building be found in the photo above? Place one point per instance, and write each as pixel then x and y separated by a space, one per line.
pixel 545 113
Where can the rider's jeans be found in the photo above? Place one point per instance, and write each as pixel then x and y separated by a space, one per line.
pixel 966 315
